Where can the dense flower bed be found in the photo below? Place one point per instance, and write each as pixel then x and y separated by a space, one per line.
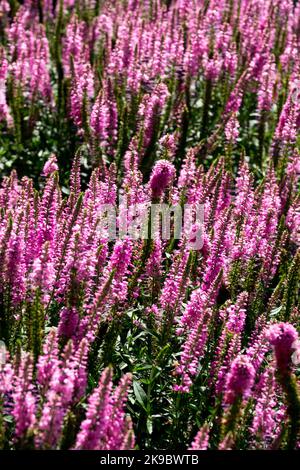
pixel 147 343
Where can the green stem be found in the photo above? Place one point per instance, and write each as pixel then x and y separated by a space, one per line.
pixel 289 385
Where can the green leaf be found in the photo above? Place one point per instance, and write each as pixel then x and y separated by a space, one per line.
pixel 146 367
pixel 140 395
pixel 149 425
pixel 275 311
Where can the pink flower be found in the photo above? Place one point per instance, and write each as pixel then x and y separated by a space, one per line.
pixel 50 166
pixel 162 175
pixel 24 407
pixel 240 379
pixel 201 440
pixel 282 337
pixel 96 424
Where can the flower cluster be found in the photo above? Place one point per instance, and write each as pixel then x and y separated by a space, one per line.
pixel 48 411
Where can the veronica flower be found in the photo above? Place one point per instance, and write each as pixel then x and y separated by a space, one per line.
pixel 266 410
pixel 24 400
pixel 162 175
pixel 239 380
pixel 201 440
pixel 94 428
pixel 4 110
pixel 50 166
pixel 282 337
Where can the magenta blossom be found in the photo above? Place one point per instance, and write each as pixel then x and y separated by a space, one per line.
pixel 282 337
pixel 239 380
pixel 162 175
pixel 50 166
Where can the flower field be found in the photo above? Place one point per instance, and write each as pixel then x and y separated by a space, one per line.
pixel 117 333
